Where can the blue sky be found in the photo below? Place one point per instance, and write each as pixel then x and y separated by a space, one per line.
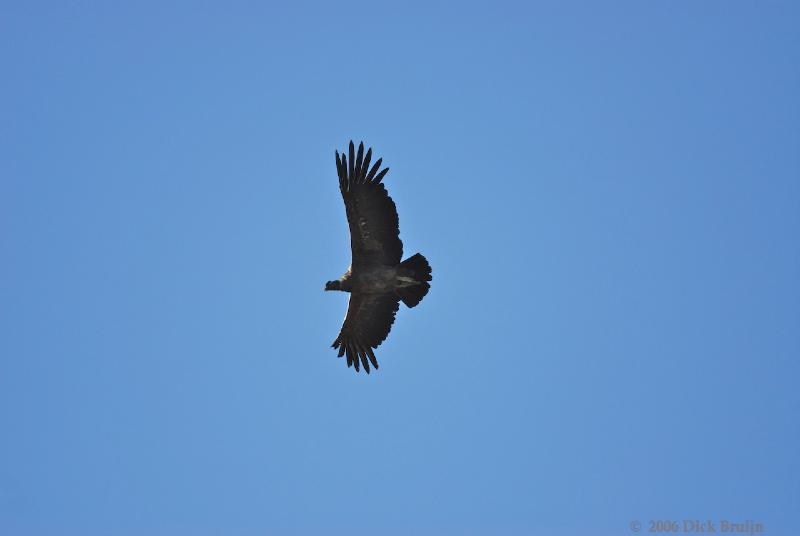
pixel 609 196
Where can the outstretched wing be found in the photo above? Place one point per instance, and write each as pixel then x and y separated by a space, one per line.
pixel 369 320
pixel 371 213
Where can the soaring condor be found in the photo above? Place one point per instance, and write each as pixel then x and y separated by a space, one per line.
pixel 376 279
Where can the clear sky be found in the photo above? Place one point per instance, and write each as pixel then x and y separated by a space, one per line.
pixel 609 196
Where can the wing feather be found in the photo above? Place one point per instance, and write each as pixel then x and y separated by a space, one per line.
pixel 374 170
pixel 359 160
pixel 379 178
pixel 365 164
pixel 352 160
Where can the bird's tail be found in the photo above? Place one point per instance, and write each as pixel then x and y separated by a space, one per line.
pixel 419 270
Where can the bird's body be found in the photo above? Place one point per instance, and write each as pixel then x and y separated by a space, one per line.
pixel 376 279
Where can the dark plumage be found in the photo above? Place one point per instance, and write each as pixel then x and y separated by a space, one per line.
pixel 377 280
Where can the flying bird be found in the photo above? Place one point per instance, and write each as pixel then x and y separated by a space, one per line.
pixel 376 279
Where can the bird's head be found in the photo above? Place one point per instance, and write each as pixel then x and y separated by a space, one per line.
pixel 333 285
